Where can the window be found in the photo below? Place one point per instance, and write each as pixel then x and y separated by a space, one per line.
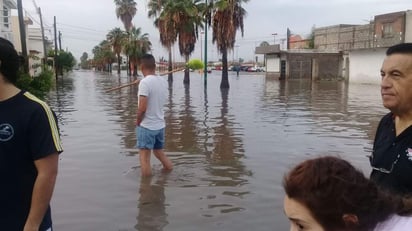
pixel 6 19
pixel 387 30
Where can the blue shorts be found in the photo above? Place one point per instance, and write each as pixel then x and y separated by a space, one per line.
pixel 150 139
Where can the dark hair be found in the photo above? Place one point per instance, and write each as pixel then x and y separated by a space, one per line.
pixel 331 187
pixel 402 48
pixel 148 61
pixel 9 61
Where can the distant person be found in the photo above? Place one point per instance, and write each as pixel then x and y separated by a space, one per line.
pixel 329 194
pixel 152 94
pixel 29 147
pixel 391 159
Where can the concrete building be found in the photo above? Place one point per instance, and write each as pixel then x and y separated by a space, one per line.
pixel 344 37
pixel 363 46
pixel 353 52
pixel 5 18
pixel 301 63
pixel 389 29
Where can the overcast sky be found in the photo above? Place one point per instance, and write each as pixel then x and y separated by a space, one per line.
pixel 84 23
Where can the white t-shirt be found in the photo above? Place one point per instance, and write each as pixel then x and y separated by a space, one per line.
pixel 155 89
pixel 395 223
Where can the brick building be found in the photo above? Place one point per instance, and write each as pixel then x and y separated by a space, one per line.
pixel 352 52
pixel 384 31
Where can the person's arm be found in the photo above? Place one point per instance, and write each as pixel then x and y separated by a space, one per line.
pixel 141 110
pixel 42 190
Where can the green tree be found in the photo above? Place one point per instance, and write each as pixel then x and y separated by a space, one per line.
pixel 125 11
pixel 84 63
pixel 116 37
pixel 227 18
pixel 103 56
pixel 65 61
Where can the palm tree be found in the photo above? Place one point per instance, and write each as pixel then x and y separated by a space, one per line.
pixel 166 27
pixel 116 38
pixel 178 19
pixel 227 18
pixel 126 10
pixel 137 46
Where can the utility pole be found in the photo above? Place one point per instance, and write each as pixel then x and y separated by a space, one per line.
pixel 43 39
pixel 60 41
pixel 55 47
pixel 23 35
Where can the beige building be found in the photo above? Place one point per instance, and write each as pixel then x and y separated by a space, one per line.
pixel 15 28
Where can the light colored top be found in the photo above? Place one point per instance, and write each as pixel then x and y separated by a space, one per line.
pixel 154 87
pixel 395 223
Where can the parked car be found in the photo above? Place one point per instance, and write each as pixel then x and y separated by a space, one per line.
pixel 244 68
pixel 260 69
pixel 251 69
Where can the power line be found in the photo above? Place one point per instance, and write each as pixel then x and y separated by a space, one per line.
pixel 83 28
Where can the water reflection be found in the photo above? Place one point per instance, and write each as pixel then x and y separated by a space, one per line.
pixel 152 204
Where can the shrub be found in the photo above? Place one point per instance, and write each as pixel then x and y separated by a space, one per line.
pixel 38 86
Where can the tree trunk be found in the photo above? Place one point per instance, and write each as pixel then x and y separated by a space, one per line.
pixel 170 68
pixel 118 64
pixel 186 79
pixel 224 84
pixel 134 70
pixel 129 67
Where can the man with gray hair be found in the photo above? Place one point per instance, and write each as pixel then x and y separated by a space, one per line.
pixel 391 158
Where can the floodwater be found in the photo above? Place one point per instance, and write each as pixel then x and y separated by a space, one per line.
pixel 230 150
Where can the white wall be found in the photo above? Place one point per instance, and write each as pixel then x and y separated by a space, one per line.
pixel 365 65
pixel 272 63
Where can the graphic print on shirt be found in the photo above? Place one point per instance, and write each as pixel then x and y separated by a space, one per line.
pixel 409 154
pixel 6 132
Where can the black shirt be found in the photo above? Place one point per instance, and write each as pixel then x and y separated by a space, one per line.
pixel 393 155
pixel 28 132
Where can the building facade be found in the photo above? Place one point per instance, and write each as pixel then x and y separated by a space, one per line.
pixel 363 46
pixel 5 18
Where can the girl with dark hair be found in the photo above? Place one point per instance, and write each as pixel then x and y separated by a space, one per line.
pixel 329 194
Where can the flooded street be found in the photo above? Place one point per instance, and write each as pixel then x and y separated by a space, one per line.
pixel 230 150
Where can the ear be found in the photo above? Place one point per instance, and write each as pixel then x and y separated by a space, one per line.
pixel 350 220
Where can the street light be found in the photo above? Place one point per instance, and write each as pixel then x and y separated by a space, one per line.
pixel 274 37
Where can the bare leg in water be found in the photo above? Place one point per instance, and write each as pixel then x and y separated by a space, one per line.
pixel 161 156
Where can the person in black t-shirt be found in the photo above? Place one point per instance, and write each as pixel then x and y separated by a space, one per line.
pixel 29 148
pixel 391 159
